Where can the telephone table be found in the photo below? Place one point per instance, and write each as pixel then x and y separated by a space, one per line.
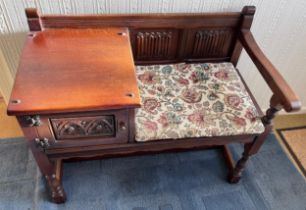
pixel 75 92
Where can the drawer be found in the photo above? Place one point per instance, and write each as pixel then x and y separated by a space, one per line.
pixel 80 130
pixel 84 127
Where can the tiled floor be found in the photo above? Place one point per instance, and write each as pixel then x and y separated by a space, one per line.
pixel 9 127
pixel 289 121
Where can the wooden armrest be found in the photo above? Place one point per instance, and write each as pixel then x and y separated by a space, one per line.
pixel 280 88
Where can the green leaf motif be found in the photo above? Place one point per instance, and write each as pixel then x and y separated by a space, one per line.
pixel 167 69
pixel 216 86
pixel 212 96
pixel 202 76
pixel 218 106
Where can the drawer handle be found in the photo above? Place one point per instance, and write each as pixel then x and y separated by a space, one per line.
pixel 33 121
pixel 122 126
pixel 43 143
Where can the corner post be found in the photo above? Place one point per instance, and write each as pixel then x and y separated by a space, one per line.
pixel 247 15
pixel 253 147
pixel 275 106
pixel 33 19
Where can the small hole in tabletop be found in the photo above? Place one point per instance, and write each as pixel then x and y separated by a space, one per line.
pixel 121 33
pixel 131 95
pixel 16 101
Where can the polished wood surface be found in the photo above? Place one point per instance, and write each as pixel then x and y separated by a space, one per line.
pixel 162 38
pixel 146 147
pixel 246 21
pixel 66 70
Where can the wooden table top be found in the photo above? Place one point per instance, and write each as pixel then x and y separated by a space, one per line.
pixel 71 70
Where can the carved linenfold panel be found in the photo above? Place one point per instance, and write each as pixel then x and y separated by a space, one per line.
pixel 71 128
pixel 154 44
pixel 212 43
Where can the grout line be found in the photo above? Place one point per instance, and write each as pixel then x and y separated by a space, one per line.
pixel 295 158
pixel 283 112
pixel 36 189
pixel 287 152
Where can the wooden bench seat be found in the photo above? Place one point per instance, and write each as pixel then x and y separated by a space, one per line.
pixel 193 100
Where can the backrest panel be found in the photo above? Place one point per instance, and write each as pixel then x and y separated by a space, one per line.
pixel 209 43
pixel 154 44
pixel 164 38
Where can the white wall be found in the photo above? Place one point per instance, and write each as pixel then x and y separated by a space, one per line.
pixel 279 27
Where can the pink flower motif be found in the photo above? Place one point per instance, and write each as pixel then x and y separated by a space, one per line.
pixel 150 104
pixel 191 95
pixel 184 68
pixel 160 88
pixel 240 122
pixel 250 114
pixel 163 120
pixel 222 75
pixel 149 125
pixel 233 101
pixel 194 77
pixel 152 92
pixel 147 78
pixel 198 117
pixel 183 81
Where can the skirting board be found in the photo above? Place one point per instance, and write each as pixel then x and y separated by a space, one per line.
pixel 283 112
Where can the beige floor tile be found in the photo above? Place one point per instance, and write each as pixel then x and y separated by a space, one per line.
pixel 9 127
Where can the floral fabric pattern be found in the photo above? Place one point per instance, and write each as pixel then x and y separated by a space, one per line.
pixel 193 100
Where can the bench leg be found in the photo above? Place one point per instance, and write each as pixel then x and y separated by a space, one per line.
pixel 52 172
pixel 250 149
pixel 234 175
pixel 54 182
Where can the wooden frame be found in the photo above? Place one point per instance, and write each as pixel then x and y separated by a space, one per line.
pixel 169 38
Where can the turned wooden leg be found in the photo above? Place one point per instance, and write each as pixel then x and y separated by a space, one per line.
pixel 52 171
pixel 253 147
pixel 234 175
pixel 235 172
pixel 54 182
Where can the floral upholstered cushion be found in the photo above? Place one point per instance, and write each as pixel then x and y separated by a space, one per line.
pixel 193 100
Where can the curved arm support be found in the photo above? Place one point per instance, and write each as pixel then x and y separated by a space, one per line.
pixel 282 92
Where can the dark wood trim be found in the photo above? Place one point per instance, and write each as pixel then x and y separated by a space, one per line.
pixel 247 14
pixel 260 113
pixel 274 79
pixel 145 147
pixel 228 158
pixel 156 20
pixel 33 19
pixel 199 60
pixel 181 30
pixel 139 153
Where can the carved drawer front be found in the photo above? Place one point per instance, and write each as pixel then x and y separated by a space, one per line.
pixel 84 127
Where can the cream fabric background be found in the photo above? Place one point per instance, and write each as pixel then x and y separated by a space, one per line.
pixel 279 28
